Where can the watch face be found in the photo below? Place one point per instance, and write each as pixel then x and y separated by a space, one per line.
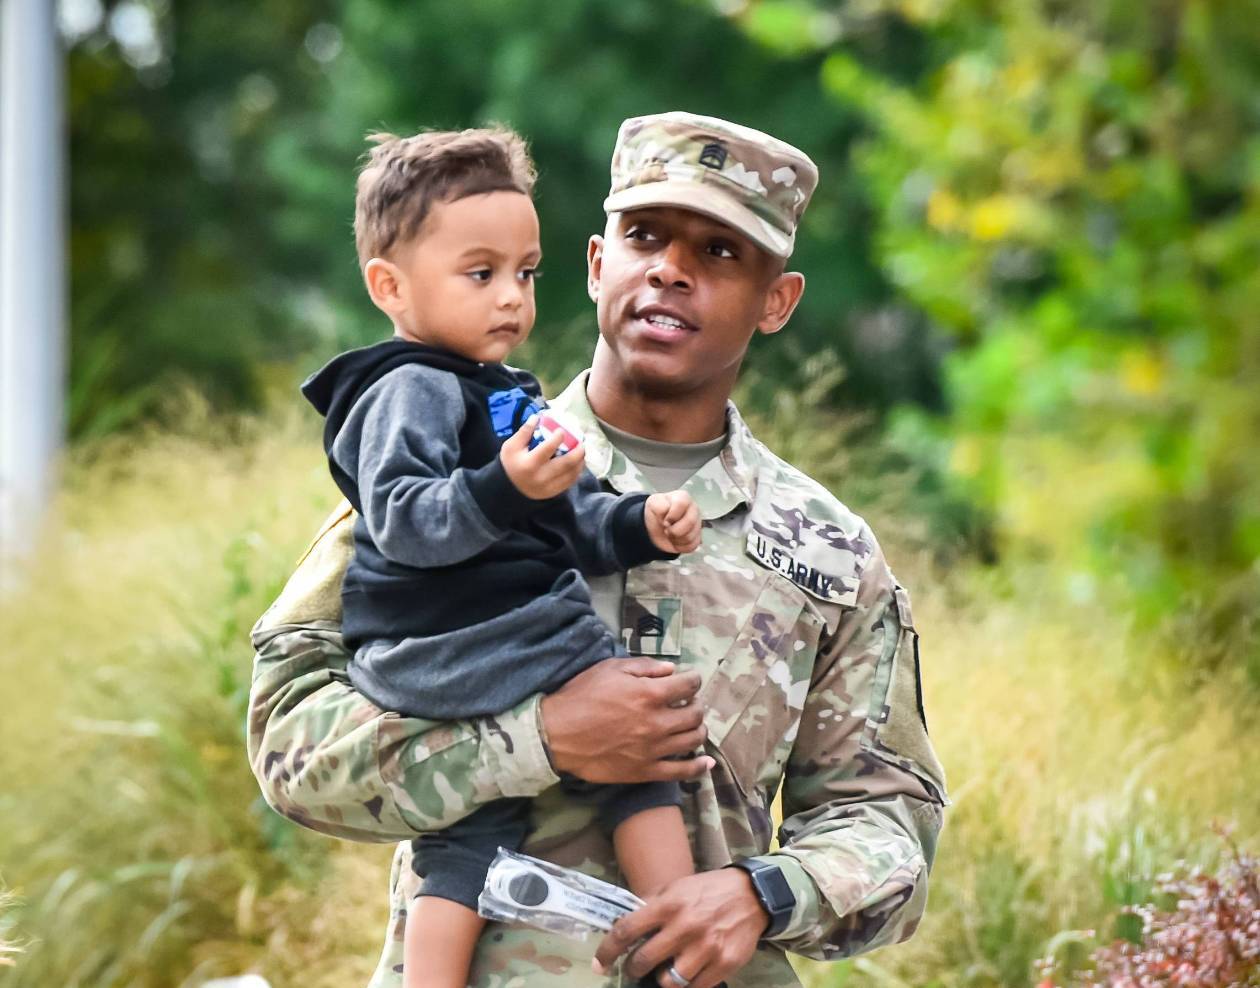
pixel 774 892
pixel 777 889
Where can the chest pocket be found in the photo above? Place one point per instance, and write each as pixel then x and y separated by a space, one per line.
pixel 753 699
pixel 652 611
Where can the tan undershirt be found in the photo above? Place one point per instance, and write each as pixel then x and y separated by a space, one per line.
pixel 667 466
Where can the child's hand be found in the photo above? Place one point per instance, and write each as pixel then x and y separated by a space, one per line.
pixel 673 521
pixel 534 472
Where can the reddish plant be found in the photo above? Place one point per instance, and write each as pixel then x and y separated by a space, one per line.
pixel 1209 937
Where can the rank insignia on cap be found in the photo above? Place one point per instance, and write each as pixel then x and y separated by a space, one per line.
pixel 745 179
pixel 713 155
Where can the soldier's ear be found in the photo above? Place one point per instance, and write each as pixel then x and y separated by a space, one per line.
pixel 782 296
pixel 594 265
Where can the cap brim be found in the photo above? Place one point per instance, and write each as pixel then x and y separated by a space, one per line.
pixel 708 202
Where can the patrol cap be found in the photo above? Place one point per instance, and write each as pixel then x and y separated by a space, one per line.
pixel 752 182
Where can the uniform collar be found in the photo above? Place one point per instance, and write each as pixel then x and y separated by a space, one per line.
pixel 726 482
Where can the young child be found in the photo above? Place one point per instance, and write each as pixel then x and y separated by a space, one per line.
pixel 466 592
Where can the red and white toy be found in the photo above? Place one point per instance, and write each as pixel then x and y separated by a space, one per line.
pixel 549 423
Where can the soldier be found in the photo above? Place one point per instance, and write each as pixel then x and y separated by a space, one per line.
pixel 785 635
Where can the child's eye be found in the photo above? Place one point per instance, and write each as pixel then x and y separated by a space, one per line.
pixel 529 274
pixel 481 274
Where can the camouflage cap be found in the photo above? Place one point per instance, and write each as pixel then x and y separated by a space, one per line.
pixel 748 180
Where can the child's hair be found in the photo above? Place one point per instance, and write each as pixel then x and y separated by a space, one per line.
pixel 404 176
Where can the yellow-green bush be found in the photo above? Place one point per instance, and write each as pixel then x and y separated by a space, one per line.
pixel 1070 192
pixel 1081 759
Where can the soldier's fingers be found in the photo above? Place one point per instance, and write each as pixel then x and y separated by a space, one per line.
pixel 680 720
pixel 645 667
pixel 656 950
pixel 708 975
pixel 681 744
pixel 684 770
pixel 677 689
pixel 626 932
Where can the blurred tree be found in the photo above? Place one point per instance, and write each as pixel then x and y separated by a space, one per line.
pixel 175 270
pixel 214 146
pixel 1072 191
pixel 565 73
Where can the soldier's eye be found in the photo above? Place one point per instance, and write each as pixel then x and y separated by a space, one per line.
pixel 641 234
pixel 721 250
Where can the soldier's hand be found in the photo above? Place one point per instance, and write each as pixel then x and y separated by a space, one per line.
pixel 706 926
pixel 627 720
pixel 538 473
pixel 673 521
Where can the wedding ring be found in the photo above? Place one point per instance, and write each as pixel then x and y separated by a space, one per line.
pixel 677 978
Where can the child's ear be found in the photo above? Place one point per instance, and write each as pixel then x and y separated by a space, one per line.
pixel 385 285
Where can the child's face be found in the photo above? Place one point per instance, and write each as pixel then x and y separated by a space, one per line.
pixel 466 284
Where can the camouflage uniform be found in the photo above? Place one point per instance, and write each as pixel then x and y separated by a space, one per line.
pixel 809 659
pixel 804 641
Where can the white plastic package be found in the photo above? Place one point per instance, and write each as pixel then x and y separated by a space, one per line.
pixel 521 889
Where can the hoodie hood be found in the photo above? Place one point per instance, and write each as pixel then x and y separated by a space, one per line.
pixel 335 387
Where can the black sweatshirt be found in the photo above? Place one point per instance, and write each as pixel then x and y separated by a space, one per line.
pixel 444 540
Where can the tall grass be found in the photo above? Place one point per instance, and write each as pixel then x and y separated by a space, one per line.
pixel 1081 762
pixel 130 827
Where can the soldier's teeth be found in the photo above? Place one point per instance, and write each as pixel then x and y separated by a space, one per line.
pixel 667 321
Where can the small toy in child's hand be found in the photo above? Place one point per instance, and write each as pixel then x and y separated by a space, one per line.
pixel 548 423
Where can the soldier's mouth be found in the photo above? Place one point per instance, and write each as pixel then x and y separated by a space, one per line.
pixel 664 323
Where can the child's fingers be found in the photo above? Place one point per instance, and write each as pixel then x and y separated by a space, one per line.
pixel 559 473
pixel 519 440
pixel 546 449
pixel 679 505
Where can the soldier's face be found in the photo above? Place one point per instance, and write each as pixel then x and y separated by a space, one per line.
pixel 679 296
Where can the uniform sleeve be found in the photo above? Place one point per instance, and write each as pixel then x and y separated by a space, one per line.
pixel 610 534
pixel 863 791
pixel 401 444
pixel 328 759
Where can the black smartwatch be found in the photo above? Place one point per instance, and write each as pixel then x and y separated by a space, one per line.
pixel 772 889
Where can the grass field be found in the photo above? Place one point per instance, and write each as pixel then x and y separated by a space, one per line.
pixel 1083 758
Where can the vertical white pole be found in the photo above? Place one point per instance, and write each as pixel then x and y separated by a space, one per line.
pixel 32 273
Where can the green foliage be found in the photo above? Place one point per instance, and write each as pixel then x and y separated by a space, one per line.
pixel 566 74
pixel 1071 191
pixel 212 179
pixel 176 270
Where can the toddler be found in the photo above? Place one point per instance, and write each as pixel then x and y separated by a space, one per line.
pixel 466 592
